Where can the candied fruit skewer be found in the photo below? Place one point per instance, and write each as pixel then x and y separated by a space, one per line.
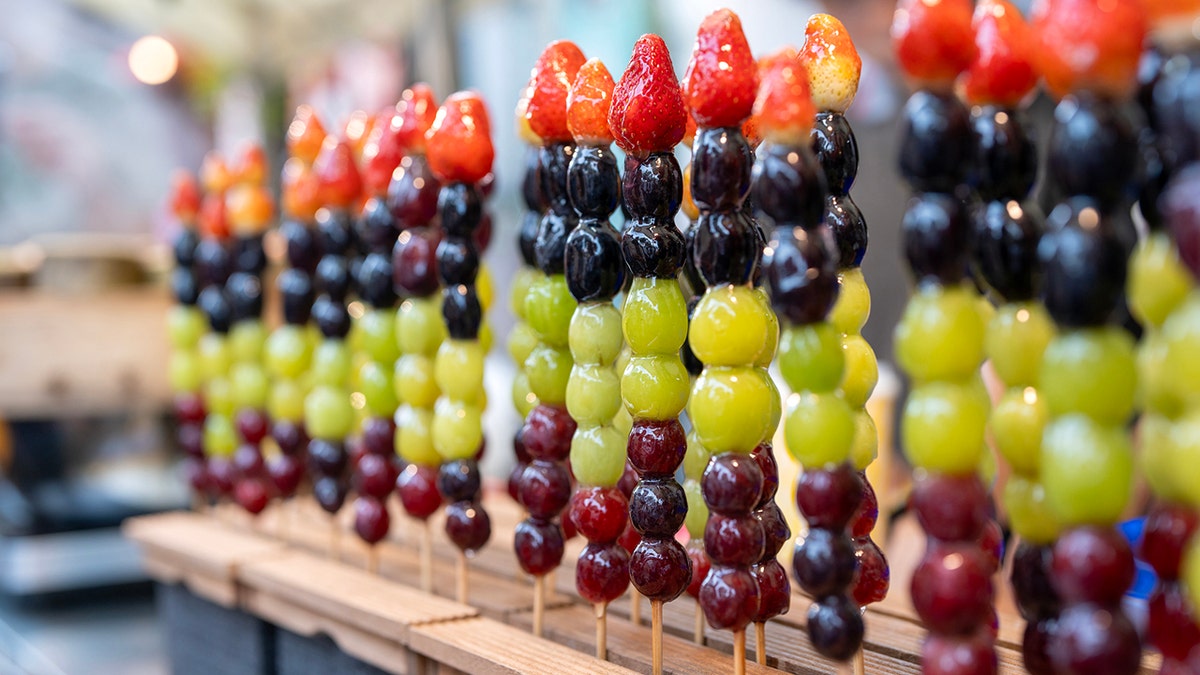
pixel 733 332
pixel 420 330
pixel 647 118
pixel 250 211
pixel 595 274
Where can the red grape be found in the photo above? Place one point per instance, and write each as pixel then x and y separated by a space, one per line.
pixel 656 447
pixel 376 475
pixel 824 562
pixel 286 473
pixel 468 525
pixel 775 530
pixel 1031 581
pixel 952 589
pixel 733 540
pixel 953 655
pixel 774 589
pixel 731 484
pixel 547 433
pixel 729 597
pixel 417 487
pixel 868 510
pixel 371 519
pixel 378 435
pixel 1168 529
pixel 600 513
pixel 991 542
pixel 252 425
pixel 1172 627
pixel 764 455
pixel 538 545
pixel 951 508
pixel 873 578
pixel 221 475
pixel 602 573
pixel 1092 564
pixel 544 489
pixel 248 461
pixel 1035 646
pixel 1094 640
pixel 828 498
pixel 196 470
pixel 700 566
pixel 189 408
pixel 252 495
pixel 660 569
pixel 191 440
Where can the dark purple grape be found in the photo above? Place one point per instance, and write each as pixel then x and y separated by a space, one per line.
pixel 185 286
pixel 835 627
pixel 660 569
pixel 248 461
pixel 377 226
pixel 527 237
pixel 191 440
pixel 302 250
pixel 1035 646
pixel 936 231
pixel 594 182
pixel 843 216
pixel 215 305
pixel 378 436
pixel 657 507
pixel 1176 99
pixel 656 448
pixel 829 498
pixel 789 185
pixel 957 655
pixel 538 545
pixel 836 148
pixel 248 254
pixel 1032 583
pixel 460 208
pixel 652 187
pixel 296 290
pixel 245 294
pixel 1092 564
pixel 731 484
pixel 413 193
pixel 333 276
pixel 375 280
pixel 289 436
pixel 459 481
pixel 594 267
pixel 733 540
pixel 375 475
pixel 531 190
pixel 729 597
pixel 547 433
pixel 776 531
pixel 468 525
pixel 184 247
pixel 330 493
pixel 774 589
pixel 462 311
pixel 1083 265
pixel 652 250
pixel 1005 240
pixel 728 248
pixel 326 457
pixel 1093 150
pixel 800 268
pixel 602 573
pixel 414 262
pixel 544 489
pixel 824 562
pixel 935 141
pixel 214 264
pixel 458 261
pixel 1094 640
pixel 721 164
pixel 1180 206
pixel 331 316
pixel 1005 160
pixel 335 233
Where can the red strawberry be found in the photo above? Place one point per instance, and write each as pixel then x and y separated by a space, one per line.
pixel 459 144
pixel 382 153
pixel 721 77
pixel 933 40
pixel 341 185
pixel 212 220
pixel 689 132
pixel 647 113
pixel 1090 45
pixel 553 74
pixel 185 197
pixel 1003 71
pixel 301 190
pixel 252 165
pixel 784 106
pixel 752 127
pixel 415 112
pixel 357 128
pixel 214 173
pixel 832 62
pixel 588 104
pixel 305 135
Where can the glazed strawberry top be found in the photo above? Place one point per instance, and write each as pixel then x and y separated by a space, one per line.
pixel 1087 45
pixel 356 130
pixel 588 103
pixel 250 209
pixel 305 135
pixel 459 144
pixel 784 106
pixel 341 185
pixel 933 40
pixel 185 197
pixel 382 153
pixel 553 74
pixel 1003 71
pixel 524 131
pixel 647 113
pixel 832 62
pixel 414 116
pixel 722 77
pixel 214 173
pixel 301 191
pixel 251 165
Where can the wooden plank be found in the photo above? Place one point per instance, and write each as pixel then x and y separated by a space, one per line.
pixel 481 645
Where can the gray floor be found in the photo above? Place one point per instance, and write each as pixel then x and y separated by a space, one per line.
pixel 110 633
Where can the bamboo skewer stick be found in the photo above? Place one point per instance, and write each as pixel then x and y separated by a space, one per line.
pixel 760 643
pixel 334 539
pixel 859 662
pixel 601 630
pixel 739 652
pixel 698 630
pixel 539 604
pixel 635 607
pixel 426 557
pixel 461 586
pixel 656 628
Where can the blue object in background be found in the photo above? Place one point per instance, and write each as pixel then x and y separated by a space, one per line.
pixel 1145 580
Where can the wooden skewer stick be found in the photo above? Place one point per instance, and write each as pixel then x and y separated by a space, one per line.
pixel 539 603
pixel 760 643
pixel 334 543
pixel 373 559
pixel 698 630
pixel 859 662
pixel 739 652
pixel 601 630
pixel 635 607
pixel 656 628
pixel 461 590
pixel 855 666
pixel 281 522
pixel 426 557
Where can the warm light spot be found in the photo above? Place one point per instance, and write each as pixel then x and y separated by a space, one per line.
pixel 1022 315
pixel 530 398
pixel 954 561
pixel 793 158
pixel 153 60
pixel 1001 117
pixel 356 309
pixel 358 400
pixel 1014 209
pixel 1030 395
pixel 1089 218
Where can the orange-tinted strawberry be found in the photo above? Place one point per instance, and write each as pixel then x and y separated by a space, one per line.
pixel 752 127
pixel 249 209
pixel 185 197
pixel 553 74
pixel 588 103
pixel 524 131
pixel 933 40
pixel 784 106
pixel 832 62
pixel 1003 71
pixel 301 190
pixel 647 113
pixel 382 153
pixel 1172 20
pixel 357 129
pixel 305 135
pixel 459 145
pixel 251 165
pixel 341 184
pixel 214 173
pixel 1090 45
pixel 722 77
pixel 212 221
pixel 415 113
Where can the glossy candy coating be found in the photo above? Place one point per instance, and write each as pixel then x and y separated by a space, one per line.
pixel 932 41
pixel 1090 46
pixel 721 78
pixel 832 62
pixel 647 113
pixel 459 145
pixel 1003 71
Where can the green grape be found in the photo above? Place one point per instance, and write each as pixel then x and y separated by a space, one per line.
pixel 520 288
pixel 697 510
pixel 288 352
pixel 548 309
pixel 861 373
pixel 988 467
pixel 332 363
pixel 1090 371
pixel 696 459
pixel 521 341
pixel 1087 469
pixel 730 409
pixel 593 394
pixel 818 429
pixel 1157 390
pixel 549 370
pixel 246 340
pixel 865 448
pixel 623 359
pixel 595 333
pixel 1017 337
pixel 458 370
pixel 1158 282
pixel 249 385
pixel 853 305
pixel 1191 571
pixel 940 336
pixel 328 413
pixel 377 334
pixel 654 316
pixel 375 383
pixel 419 326
pixel 943 425
pixel 414 438
pixel 414 381
pixel 768 354
pixel 987 311
pixel 457 429
pixel 486 337
pixel 1028 512
pixel 220 437
pixel 523 399
pixel 598 455
pixel 218 396
pixel 184 372
pixel 1017 423
pixel 655 387
pixel 1184 455
pixel 811 357
pixel 215 358
pixel 623 421
pixel 185 325
pixel 1181 333
pixel 729 327
pixel 286 400
pixel 1156 457
pixel 776 403
pixel 484 287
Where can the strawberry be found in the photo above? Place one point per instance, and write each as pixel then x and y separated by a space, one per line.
pixel 784 106
pixel 301 190
pixel 689 131
pixel 1090 45
pixel 524 131
pixel 249 208
pixel 588 103
pixel 832 62
pixel 305 135
pixel 212 221
pixel 251 166
pixel 752 127
pixel 933 40
pixel 214 173
pixel 341 185
pixel 415 113
pixel 1003 71
pixel 355 131
pixel 382 153
pixel 553 74
pixel 721 77
pixel 647 113
pixel 185 197
pixel 459 144
pixel 1171 20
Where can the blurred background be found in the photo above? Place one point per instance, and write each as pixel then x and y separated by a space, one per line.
pixel 101 99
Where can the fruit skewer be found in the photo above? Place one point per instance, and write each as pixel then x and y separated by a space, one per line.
pixel 420 330
pixel 647 118
pixel 460 154
pixel 544 487
pixel 595 273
